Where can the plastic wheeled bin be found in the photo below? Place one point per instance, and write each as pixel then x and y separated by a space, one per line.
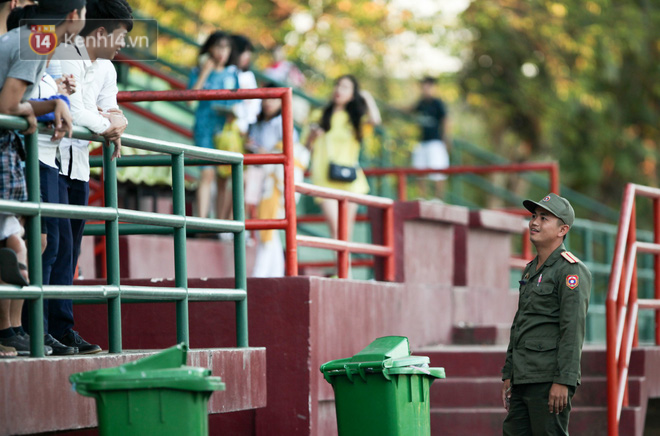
pixel 155 395
pixel 382 390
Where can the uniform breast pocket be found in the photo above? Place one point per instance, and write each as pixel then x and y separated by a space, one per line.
pixel 543 299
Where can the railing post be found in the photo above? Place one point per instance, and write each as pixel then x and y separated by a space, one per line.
pixel 554 178
pixel 526 245
pixel 632 299
pixel 240 272
pixel 180 258
pixel 35 306
pixel 291 258
pixel 611 315
pixel 403 186
pixel 656 264
pixel 342 234
pixel 112 248
pixel 388 241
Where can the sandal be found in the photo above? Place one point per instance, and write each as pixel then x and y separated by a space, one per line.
pixel 10 268
pixel 6 352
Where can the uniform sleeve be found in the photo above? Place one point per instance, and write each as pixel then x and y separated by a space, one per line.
pixel 507 371
pixel 574 290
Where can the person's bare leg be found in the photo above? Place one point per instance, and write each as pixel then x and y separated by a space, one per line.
pixel 351 214
pixel 439 188
pixel 224 201
pixel 421 187
pixel 204 192
pixel 329 209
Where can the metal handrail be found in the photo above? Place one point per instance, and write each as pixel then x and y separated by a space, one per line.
pixel 286 158
pixel 342 245
pixel 113 292
pixel 622 304
pixel 401 173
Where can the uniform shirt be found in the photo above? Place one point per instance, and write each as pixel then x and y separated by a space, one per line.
pixel 548 330
pixel 96 87
pixel 432 114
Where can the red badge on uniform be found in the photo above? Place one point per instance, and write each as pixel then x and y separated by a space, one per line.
pixel 572 281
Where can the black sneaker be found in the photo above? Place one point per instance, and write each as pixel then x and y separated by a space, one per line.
pixel 73 339
pixel 59 349
pixel 22 345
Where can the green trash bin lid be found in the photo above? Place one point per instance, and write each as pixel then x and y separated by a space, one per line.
pixel 388 347
pixel 165 370
pixel 389 355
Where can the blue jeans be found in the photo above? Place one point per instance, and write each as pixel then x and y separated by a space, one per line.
pixel 58 314
pixel 50 193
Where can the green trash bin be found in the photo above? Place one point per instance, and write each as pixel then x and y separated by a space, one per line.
pixel 156 395
pixel 382 390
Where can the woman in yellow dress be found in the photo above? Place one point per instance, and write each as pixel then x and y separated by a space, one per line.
pixel 335 139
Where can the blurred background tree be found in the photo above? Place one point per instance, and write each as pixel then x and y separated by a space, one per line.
pixel 569 80
pixel 572 80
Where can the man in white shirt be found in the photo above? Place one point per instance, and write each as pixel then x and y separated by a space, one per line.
pixel 94 106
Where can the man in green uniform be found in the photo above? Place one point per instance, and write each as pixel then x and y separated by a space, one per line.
pixel 542 368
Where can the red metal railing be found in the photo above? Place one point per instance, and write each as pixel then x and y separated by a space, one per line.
pixel 402 184
pixel 342 245
pixel 622 304
pixel 288 224
pixel 174 83
pixel 552 168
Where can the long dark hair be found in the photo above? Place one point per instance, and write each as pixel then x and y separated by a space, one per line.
pixel 356 108
pixel 241 44
pixel 215 38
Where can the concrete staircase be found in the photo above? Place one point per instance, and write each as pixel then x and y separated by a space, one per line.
pixel 468 401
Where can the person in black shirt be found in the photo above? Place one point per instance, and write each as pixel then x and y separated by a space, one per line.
pixel 433 150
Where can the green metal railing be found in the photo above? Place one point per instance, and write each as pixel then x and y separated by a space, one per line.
pixel 176 155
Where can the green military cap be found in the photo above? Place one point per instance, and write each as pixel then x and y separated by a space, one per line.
pixel 556 205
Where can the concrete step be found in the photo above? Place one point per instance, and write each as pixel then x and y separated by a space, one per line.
pixel 457 392
pixel 484 335
pixel 466 361
pixel 487 421
pixel 485 392
pixel 488 360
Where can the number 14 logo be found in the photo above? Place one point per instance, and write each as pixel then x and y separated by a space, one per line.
pixel 43 39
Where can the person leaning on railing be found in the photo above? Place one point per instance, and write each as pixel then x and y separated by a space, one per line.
pixel 335 137
pixel 47 89
pixel 94 106
pixel 20 70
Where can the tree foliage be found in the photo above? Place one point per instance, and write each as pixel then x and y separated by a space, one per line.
pixel 571 80
pixel 332 37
